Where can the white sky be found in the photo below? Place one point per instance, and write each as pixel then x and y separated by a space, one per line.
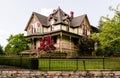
pixel 14 14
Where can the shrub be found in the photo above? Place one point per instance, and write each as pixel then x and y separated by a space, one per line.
pixel 23 62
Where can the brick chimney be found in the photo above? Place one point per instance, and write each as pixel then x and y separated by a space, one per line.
pixel 71 14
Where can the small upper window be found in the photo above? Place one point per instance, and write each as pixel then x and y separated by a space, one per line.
pixel 52 21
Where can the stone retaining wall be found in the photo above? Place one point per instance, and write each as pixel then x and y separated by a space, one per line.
pixel 58 74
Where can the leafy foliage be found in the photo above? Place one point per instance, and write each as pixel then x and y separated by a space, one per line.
pixel 1 50
pixel 16 44
pixel 109 35
pixel 86 46
pixel 46 44
pixel 23 62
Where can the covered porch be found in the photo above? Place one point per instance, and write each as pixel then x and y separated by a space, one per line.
pixel 63 41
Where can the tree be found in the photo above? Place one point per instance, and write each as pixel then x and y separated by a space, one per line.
pixel 86 46
pixel 16 44
pixel 1 50
pixel 109 35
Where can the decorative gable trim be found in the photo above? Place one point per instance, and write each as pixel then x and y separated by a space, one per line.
pixel 29 22
pixel 42 19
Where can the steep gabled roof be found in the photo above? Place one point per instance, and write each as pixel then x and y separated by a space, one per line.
pixel 76 21
pixel 59 15
pixel 41 18
pixel 95 29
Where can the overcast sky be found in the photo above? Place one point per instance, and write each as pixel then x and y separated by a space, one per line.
pixel 14 14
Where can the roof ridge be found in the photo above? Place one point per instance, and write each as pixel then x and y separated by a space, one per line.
pixel 80 15
pixel 39 14
pixel 41 18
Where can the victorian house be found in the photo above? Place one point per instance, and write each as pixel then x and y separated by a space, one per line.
pixel 65 29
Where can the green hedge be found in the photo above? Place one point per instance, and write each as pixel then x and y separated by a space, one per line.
pixel 19 61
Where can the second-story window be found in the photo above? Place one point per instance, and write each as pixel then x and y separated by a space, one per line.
pixel 33 28
pixel 52 21
pixel 38 27
pixel 85 30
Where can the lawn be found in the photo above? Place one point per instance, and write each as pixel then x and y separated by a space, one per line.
pixel 79 64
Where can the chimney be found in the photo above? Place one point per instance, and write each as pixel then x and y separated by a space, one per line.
pixel 71 14
pixel 54 11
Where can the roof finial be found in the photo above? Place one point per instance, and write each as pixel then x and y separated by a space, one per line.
pixel 59 3
pixel 58 7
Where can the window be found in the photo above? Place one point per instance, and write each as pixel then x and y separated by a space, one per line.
pixel 68 23
pixel 38 27
pixel 33 28
pixel 84 30
pixel 52 21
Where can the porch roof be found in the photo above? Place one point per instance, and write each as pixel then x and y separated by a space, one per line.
pixel 53 33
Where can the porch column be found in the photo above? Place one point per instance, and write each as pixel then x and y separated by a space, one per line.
pixel 33 44
pixel 61 42
pixel 70 43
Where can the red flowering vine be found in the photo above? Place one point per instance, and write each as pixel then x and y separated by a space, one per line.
pixel 46 44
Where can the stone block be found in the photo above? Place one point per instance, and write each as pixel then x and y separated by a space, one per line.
pixel 26 72
pixel 67 73
pixel 51 73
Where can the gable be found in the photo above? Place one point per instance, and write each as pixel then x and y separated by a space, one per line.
pixel 59 17
pixel 37 18
pixel 86 23
pixel 41 18
pixel 76 21
pixel 33 25
pixel 85 27
pixel 81 22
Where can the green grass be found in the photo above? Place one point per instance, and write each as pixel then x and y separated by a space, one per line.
pixel 79 64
